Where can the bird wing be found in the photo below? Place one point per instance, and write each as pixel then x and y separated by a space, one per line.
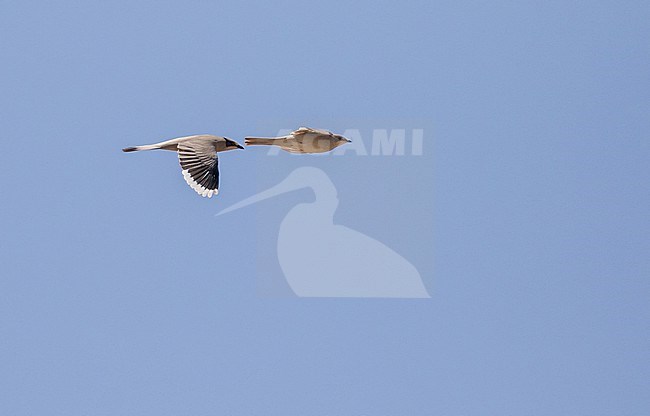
pixel 304 130
pixel 198 159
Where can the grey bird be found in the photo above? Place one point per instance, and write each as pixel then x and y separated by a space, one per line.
pixel 198 158
pixel 303 140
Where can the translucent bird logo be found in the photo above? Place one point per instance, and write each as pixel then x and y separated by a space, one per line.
pixel 322 259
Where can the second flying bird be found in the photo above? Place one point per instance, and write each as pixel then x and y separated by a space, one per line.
pixel 304 140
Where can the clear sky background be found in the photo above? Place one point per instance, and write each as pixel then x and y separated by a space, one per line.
pixel 122 294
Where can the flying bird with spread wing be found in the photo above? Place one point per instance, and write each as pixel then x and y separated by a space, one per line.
pixel 303 140
pixel 198 158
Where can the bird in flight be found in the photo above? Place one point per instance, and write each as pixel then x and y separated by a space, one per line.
pixel 198 158
pixel 303 140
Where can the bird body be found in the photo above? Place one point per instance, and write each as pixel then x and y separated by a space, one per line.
pixel 304 140
pixel 198 158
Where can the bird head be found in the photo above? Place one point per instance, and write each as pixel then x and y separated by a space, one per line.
pixel 339 140
pixel 232 145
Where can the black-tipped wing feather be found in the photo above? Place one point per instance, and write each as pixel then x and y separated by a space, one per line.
pixel 198 159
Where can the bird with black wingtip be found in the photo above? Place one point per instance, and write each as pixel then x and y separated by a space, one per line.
pixel 198 158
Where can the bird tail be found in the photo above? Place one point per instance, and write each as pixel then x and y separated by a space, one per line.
pixel 138 148
pixel 264 141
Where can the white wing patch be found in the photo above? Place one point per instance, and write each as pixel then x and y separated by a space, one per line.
pixel 200 189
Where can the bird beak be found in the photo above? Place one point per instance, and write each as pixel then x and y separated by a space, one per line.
pixel 347 140
pixel 239 146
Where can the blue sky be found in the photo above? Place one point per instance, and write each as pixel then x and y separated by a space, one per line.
pixel 122 293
